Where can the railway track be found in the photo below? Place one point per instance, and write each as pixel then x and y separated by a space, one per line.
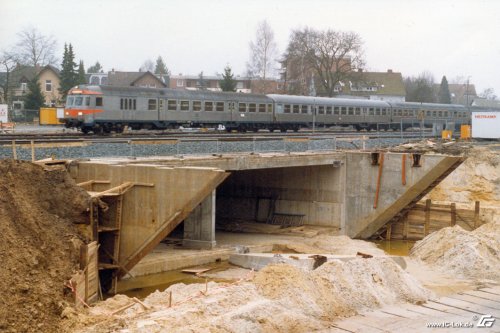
pixel 200 136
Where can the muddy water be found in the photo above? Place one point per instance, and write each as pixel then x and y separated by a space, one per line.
pixel 142 286
pixel 395 247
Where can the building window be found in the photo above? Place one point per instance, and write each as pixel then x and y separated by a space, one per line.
pixel 151 104
pixel 48 85
pixel 24 86
pixel 180 83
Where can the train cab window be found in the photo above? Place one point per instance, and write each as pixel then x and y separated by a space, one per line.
pixel 242 107
pixel 321 109
pixel 287 108
pixel 184 105
pixel 69 101
pixel 151 104
pixel 219 106
pixel 262 107
pixel 78 101
pixel 196 105
pixel 357 111
pixel 172 105
pixel 336 111
pixel 343 110
pixel 98 101
pixel 303 108
pixel 209 106
pixel 296 108
pixel 269 108
pixel 252 107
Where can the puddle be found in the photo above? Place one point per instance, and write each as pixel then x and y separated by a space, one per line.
pixel 142 286
pixel 395 247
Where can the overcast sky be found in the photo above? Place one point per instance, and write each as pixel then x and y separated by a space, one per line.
pixel 456 38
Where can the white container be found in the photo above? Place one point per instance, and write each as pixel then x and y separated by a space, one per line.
pixel 486 125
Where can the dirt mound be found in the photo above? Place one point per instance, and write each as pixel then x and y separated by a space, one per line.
pixel 280 298
pixel 468 254
pixel 340 289
pixel 37 211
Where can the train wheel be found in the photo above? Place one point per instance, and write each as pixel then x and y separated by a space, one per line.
pixel 85 130
pixel 283 130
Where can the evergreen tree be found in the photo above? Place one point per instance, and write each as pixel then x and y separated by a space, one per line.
pixel 69 75
pixel 81 74
pixel 227 83
pixel 202 84
pixel 444 92
pixel 97 68
pixel 34 99
pixel 160 68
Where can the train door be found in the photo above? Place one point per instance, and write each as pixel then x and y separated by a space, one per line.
pixel 232 107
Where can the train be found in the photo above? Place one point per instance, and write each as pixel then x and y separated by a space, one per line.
pixel 103 109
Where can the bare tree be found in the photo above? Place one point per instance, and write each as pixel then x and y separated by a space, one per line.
pixel 488 93
pixel 263 52
pixel 147 65
pixel 329 56
pixel 420 89
pixel 8 62
pixel 35 49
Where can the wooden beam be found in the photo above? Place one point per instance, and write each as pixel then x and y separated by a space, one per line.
pixel 476 214
pixel 453 214
pixel 117 190
pixel 428 204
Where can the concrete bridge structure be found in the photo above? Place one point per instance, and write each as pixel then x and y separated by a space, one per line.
pixel 139 202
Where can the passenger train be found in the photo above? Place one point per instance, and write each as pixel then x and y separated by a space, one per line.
pixel 102 109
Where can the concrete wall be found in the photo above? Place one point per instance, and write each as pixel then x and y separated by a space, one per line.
pixel 313 191
pixel 362 219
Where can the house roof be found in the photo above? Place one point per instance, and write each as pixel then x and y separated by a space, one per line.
pixel 123 79
pixel 387 83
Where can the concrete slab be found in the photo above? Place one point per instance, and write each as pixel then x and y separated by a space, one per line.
pixel 307 262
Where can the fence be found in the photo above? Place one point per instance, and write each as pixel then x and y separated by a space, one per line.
pixel 24 116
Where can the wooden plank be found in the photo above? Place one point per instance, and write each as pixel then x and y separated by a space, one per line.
pixel 482 294
pixel 445 308
pixel 196 270
pixel 423 310
pixel 399 311
pixel 351 325
pixel 495 291
pixel 467 306
pixel 476 300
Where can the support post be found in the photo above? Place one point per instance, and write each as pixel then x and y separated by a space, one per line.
pixel 476 214
pixel 427 216
pixel 453 214
pixel 199 226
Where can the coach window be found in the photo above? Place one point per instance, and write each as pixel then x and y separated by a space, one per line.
pixel 357 111
pixel 252 107
pixel 172 105
pixel 434 113
pixel 440 114
pixel 161 104
pixel 336 110
pixel 184 105
pixel 209 106
pixel 219 106
pixel 383 112
pixel 377 111
pixel 262 107
pixel 350 111
pixel 303 109
pixel 343 110
pixel 321 109
pixel 125 104
pixel 328 110
pixel 446 113
pixel 287 108
pixel 371 111
pixel 296 108
pixel 269 108
pixel 133 104
pixel 196 105
pixel 242 107
pixel 151 104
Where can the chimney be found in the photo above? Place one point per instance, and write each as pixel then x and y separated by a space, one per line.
pixel 389 71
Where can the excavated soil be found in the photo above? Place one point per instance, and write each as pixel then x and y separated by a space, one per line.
pixel 38 209
pixel 279 298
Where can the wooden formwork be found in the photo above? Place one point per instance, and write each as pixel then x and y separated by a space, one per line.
pixel 425 218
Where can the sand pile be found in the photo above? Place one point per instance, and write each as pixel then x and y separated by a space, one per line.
pixel 37 211
pixel 474 254
pixel 280 298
